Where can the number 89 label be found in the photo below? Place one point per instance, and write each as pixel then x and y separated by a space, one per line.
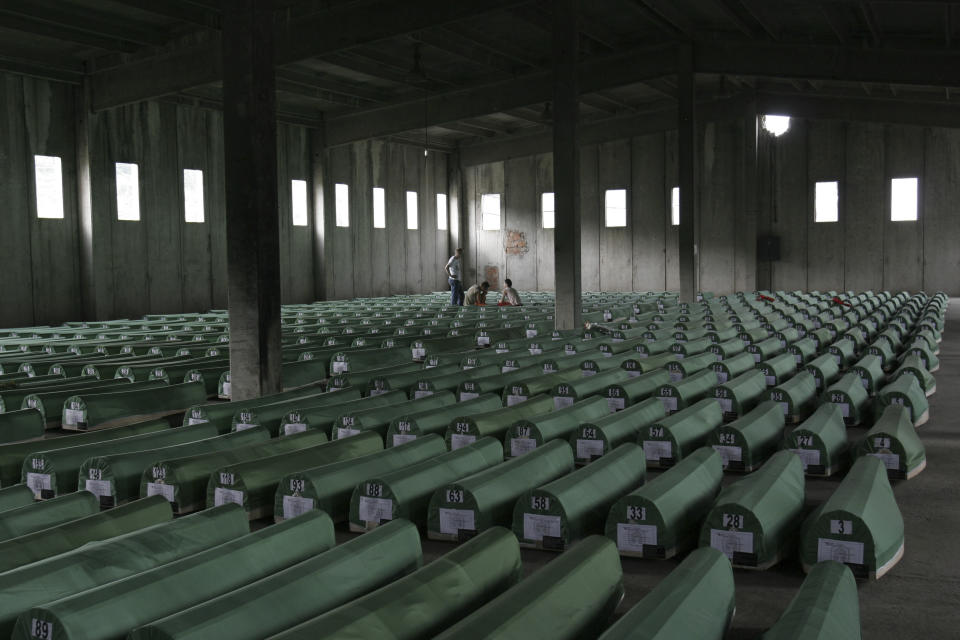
pixel 41 629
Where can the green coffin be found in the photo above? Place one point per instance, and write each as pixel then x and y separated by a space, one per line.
pixel 115 479
pixel 884 352
pixel 467 429
pixel 797 397
pixel 803 351
pixel 51 472
pixel 748 441
pixel 572 597
pixel 105 561
pixel 85 411
pixel 894 440
pixel 826 606
pixel 73 534
pixel 555 515
pixel 470 388
pixel 695 600
pixel 727 349
pixel 859 525
pixel 419 605
pixel 52 396
pixel 428 384
pixel 253 484
pixel 905 391
pixel 766 349
pixel 42 515
pixel 931 361
pixel 870 370
pixel 820 441
pixel 843 352
pixel 221 413
pixel 754 520
pixel 25 424
pixel 778 369
pixel 315 412
pixel 298 593
pixel 730 368
pixel 14 497
pixel 648 349
pixel 566 393
pixel 595 438
pixel 114 609
pixel 405 493
pixel 691 348
pixel 635 389
pixel 662 518
pixel 407 427
pixel 521 391
pixel 824 370
pixel 677 396
pixel 406 381
pixel 912 365
pixel 668 440
pixel 527 434
pixel 739 395
pixel 639 366
pixel 848 393
pixel 350 423
pixel 459 510
pixel 328 488
pixel 183 481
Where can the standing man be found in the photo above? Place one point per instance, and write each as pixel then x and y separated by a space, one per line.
pixel 454 271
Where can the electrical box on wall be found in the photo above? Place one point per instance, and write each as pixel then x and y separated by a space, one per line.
pixel 768 248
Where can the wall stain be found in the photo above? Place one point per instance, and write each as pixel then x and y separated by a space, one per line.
pixel 515 243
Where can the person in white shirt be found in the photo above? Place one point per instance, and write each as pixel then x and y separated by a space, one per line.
pixel 509 294
pixel 454 271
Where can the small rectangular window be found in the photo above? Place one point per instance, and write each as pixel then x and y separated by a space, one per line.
pixel 412 215
pixel 547 210
pixel 615 207
pixel 342 195
pixel 675 206
pixel 441 212
pixel 903 199
pixel 193 195
pixel 298 201
pixel 128 191
pixel 49 179
pixel 379 208
pixel 826 202
pixel 490 210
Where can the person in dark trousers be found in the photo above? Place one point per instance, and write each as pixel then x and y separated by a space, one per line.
pixel 454 271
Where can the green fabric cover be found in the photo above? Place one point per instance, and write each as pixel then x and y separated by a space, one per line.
pixel 870 370
pixel 112 610
pixel 595 438
pixel 884 352
pixel 662 518
pixel 51 472
pixel 419 605
pixel 556 514
pixel 695 600
pixel 728 348
pixel 797 396
pixel 352 422
pixel 677 396
pixel 406 381
pixel 906 392
pixel 72 534
pixel 733 366
pixel 49 400
pixel 104 561
pixel 86 411
pixel 471 387
pixel 42 515
pixel 518 392
pixel 754 520
pixel 329 487
pixel 826 607
pixel 668 440
pixel 643 365
pixel 572 597
pixel 765 349
pixel 859 524
pixel 428 384
pixel 926 355
pixel 317 412
pixel 848 393
pixel 634 389
pixel 221 413
pixel 298 593
pixel 183 481
pixel 409 426
pixel 691 347
pixel 466 429
pixel 803 351
pixel 778 369
pixel 25 424
pixel 739 395
pixel 824 369
pixel 894 440
pixel 116 478
pixel 527 434
pixel 748 441
pixel 685 367
pixel 843 352
pixel 405 493
pixel 253 484
pixel 820 441
pixel 15 496
pixel 914 366
pixel 486 499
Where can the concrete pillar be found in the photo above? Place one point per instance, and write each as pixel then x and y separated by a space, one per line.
pixel 318 171
pixel 566 165
pixel 687 169
pixel 250 169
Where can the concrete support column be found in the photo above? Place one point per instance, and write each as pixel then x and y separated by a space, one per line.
pixel 318 171
pixel 250 169
pixel 566 164
pixel 687 169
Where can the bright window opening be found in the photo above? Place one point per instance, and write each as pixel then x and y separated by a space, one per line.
pixel 193 195
pixel 379 208
pixel 342 194
pixel 128 191
pixel 298 192
pixel 441 212
pixel 547 210
pixel 615 207
pixel 675 206
pixel 412 210
pixel 776 125
pixel 826 202
pixel 903 199
pixel 490 210
pixel 49 179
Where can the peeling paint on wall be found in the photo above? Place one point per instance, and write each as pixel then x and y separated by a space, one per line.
pixel 515 243
pixel 491 273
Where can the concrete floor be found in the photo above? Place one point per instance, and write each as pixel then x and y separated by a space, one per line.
pixel 919 598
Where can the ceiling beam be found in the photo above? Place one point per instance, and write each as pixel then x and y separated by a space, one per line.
pixel 45 17
pixel 335 29
pixel 463 48
pixel 175 10
pixel 866 10
pixel 932 114
pixel 596 74
pixel 666 17
pixel 326 83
